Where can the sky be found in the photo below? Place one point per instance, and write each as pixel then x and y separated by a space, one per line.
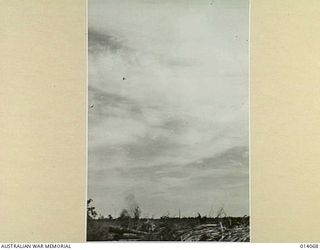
pixel 168 106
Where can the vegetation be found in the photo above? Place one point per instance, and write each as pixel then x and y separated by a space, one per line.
pixel 129 226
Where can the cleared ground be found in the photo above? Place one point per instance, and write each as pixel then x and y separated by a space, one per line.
pixel 233 229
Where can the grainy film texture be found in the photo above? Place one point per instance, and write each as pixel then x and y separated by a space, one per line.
pixel 168 120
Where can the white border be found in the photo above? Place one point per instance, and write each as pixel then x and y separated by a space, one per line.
pixel 87 117
pixel 249 118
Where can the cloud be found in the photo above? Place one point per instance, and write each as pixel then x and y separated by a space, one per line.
pixel 168 105
pixel 100 43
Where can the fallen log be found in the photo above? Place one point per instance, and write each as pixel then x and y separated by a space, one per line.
pixel 125 230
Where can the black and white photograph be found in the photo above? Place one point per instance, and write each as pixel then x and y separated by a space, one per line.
pixel 168 120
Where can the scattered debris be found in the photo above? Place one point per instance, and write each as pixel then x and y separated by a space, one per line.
pixel 171 229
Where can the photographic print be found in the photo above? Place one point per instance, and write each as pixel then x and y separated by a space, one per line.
pixel 168 120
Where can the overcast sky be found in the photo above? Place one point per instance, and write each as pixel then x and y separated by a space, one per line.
pixel 168 97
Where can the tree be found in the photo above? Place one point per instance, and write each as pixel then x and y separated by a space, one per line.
pixel 136 212
pixel 91 211
pixel 221 213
